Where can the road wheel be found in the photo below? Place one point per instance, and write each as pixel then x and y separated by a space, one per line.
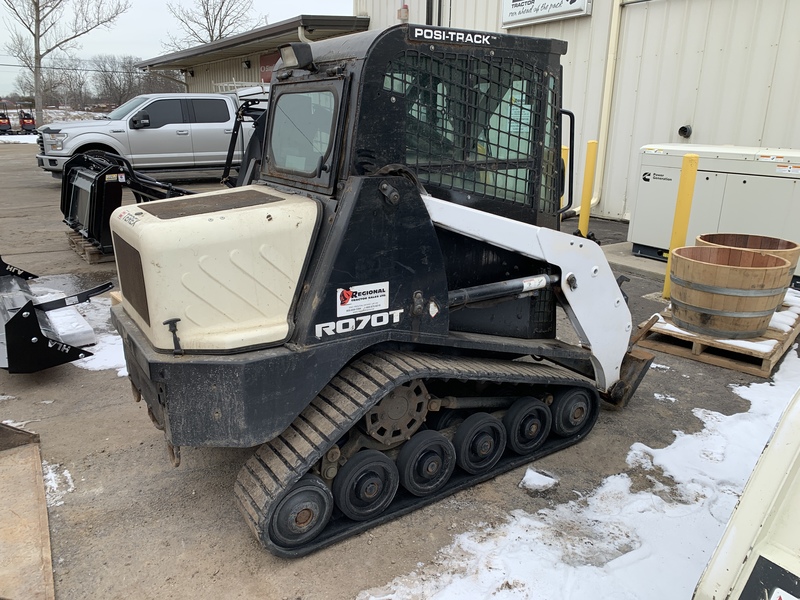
pixel 426 462
pixel 527 423
pixel 365 485
pixel 479 441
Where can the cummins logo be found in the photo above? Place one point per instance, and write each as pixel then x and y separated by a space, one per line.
pixel 647 176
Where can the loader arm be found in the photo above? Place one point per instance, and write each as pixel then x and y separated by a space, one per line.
pixel 594 302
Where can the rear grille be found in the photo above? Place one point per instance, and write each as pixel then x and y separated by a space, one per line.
pixel 131 277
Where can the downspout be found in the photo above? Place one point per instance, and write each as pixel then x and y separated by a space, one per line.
pixel 301 35
pixel 606 104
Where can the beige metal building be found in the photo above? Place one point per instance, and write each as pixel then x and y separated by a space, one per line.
pixel 638 70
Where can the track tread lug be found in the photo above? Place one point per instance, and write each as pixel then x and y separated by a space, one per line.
pixel 310 431
pixel 299 443
pixel 247 504
pixel 274 467
pixel 387 369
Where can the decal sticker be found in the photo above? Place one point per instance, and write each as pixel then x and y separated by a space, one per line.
pixel 360 299
pixel 380 319
pixel 787 169
pixel 111 177
pixel 431 34
pixel 127 217
pixel 534 283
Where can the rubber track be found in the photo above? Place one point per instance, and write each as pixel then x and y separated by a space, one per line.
pixel 281 462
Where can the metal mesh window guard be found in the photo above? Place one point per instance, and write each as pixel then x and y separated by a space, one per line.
pixel 481 126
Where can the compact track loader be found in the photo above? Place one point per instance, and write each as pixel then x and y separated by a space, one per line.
pixel 377 312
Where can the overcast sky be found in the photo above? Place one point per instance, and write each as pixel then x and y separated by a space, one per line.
pixel 140 31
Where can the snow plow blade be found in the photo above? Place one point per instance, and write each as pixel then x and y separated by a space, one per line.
pixel 40 334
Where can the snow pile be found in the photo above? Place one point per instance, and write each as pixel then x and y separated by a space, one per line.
pixel 617 544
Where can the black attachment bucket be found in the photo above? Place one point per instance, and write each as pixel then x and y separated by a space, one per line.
pixel 38 334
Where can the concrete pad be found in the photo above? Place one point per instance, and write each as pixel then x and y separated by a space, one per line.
pixel 621 258
pixel 26 569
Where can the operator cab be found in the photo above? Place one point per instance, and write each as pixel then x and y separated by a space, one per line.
pixel 478 129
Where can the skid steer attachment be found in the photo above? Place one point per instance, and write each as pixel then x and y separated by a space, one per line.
pixel 378 311
pixel 40 333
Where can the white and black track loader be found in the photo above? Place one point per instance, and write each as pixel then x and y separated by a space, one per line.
pixel 377 313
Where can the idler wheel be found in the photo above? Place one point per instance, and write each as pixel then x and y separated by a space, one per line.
pixel 302 514
pixel 528 424
pixel 425 462
pixel 365 485
pixel 479 441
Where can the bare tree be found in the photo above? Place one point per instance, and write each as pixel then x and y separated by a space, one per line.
pixel 52 25
pixel 160 82
pixel 209 20
pixel 115 78
pixel 74 78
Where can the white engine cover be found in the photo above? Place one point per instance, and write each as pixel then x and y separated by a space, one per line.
pixel 226 263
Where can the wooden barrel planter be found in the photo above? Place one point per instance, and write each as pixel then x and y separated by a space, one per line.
pixel 724 292
pixel 771 245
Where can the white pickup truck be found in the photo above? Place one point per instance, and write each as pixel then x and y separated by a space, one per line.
pixel 154 132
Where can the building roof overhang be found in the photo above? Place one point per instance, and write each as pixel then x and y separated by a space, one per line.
pixel 262 40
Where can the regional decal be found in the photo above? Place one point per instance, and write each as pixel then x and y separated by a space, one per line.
pixel 360 299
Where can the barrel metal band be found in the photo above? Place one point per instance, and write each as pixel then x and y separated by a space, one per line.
pixel 712 289
pixel 716 333
pixel 722 313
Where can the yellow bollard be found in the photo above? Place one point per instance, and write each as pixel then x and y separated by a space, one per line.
pixel 683 208
pixel 565 158
pixel 588 184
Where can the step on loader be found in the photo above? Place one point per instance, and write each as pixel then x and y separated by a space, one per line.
pixel 377 312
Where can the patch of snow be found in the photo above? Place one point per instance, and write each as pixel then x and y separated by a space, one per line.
pixel 664 397
pixel 4 397
pixel 108 351
pixel 20 424
pixel 57 483
pixel 537 481
pixel 17 139
pixel 783 320
pixel 764 346
pixel 791 300
pixel 617 544
pixel 659 367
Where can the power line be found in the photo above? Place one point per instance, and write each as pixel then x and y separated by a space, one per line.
pixel 82 69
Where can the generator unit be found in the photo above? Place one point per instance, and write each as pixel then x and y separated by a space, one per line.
pixel 738 190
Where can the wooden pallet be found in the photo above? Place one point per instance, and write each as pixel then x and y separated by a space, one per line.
pixel 86 250
pixel 665 336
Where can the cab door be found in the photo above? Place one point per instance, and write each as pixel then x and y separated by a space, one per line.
pixel 161 136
